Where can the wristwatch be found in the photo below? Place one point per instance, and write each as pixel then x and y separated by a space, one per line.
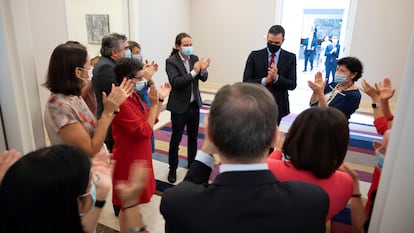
pixel 137 229
pixel 375 105
pixel 99 204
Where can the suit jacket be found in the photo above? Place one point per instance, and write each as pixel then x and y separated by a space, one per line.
pixel 182 83
pixel 242 202
pixel 331 57
pixel 103 77
pixel 314 43
pixel 256 69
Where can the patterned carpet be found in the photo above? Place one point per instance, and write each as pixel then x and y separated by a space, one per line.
pixel 360 157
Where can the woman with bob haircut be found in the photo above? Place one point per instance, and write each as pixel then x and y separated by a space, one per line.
pixel 313 150
pixel 132 129
pixel 341 94
pixel 55 189
pixel 68 119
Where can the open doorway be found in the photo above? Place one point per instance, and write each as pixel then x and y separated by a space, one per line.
pixel 317 19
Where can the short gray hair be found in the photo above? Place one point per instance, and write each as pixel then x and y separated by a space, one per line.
pixel 110 42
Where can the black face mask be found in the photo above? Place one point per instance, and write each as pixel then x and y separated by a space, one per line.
pixel 273 48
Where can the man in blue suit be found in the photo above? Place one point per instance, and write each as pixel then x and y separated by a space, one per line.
pixel 273 68
pixel 309 48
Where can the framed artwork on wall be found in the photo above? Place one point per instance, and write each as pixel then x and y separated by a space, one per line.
pixel 96 26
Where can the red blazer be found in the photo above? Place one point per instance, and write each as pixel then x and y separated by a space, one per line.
pixel 132 136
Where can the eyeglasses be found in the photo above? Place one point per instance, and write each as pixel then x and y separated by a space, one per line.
pixel 141 77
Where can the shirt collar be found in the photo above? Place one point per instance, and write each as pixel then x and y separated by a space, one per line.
pixel 182 58
pixel 243 167
pixel 270 54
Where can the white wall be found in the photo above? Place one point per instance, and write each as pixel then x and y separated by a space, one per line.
pixel 381 39
pixel 159 23
pixel 77 9
pixel 226 32
pixel 29 32
pixel 394 208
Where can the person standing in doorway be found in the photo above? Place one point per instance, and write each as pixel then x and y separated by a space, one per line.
pixel 273 68
pixel 184 70
pixel 309 49
pixel 331 53
pixel 322 56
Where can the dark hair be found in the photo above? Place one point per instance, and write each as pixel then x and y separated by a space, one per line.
pixel 126 67
pixel 39 193
pixel 317 141
pixel 242 121
pixel 61 77
pixel 111 42
pixel 178 39
pixel 276 29
pixel 353 64
pixel 132 44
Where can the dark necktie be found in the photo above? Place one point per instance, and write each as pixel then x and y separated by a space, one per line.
pixel 272 60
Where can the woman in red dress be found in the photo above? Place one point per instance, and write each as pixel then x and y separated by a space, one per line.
pixel 132 129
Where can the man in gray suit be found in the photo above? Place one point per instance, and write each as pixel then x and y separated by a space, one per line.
pixel 184 70
pixel 245 196
pixel 114 46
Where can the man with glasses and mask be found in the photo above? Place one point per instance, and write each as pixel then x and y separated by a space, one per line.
pixel 114 46
pixel 273 68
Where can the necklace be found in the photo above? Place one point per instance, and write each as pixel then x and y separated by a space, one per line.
pixel 335 91
pixel 345 88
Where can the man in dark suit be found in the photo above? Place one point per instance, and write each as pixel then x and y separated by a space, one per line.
pixel 277 74
pixel 184 70
pixel 245 196
pixel 309 49
pixel 114 46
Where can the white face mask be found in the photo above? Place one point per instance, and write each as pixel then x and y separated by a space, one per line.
pixel 90 74
pixel 92 192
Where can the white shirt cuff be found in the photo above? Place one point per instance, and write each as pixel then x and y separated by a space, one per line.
pixel 205 158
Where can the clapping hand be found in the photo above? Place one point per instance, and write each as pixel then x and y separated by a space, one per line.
pixel 385 90
pixel 318 84
pixel 129 190
pixel 101 171
pixel 204 64
pixel 370 90
pixel 150 69
pixel 164 90
pixel 7 159
pixel 117 96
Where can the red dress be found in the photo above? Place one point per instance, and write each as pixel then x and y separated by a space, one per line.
pixel 339 186
pixel 132 135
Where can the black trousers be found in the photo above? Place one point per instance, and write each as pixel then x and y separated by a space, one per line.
pixel 191 119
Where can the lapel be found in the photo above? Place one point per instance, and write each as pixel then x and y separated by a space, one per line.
pixel 265 57
pixel 245 178
pixel 180 63
pixel 282 60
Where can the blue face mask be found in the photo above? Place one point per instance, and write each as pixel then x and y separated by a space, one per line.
pixel 187 50
pixel 92 192
pixel 128 53
pixel 137 56
pixel 140 85
pixel 339 78
pixel 380 159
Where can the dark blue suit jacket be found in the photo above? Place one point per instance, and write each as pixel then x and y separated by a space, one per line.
pixel 256 69
pixel 181 83
pixel 314 43
pixel 242 202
